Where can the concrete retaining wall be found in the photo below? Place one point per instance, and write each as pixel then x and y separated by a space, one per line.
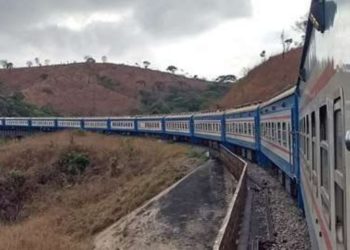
pixel 228 235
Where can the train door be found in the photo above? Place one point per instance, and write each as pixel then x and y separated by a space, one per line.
pixel 339 177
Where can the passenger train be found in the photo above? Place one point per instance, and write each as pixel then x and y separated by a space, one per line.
pixel 300 133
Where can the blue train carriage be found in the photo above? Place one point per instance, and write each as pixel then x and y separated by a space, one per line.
pixel 241 130
pixel 98 124
pixel 150 125
pixel 123 125
pixel 70 123
pixel 15 123
pixel 209 127
pixel 2 122
pixel 179 127
pixel 45 124
pixel 278 126
pixel 324 89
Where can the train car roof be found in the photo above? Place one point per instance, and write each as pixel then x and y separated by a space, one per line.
pixel 43 118
pixel 243 109
pixel 69 118
pixel 279 97
pixel 180 116
pixel 16 118
pixel 150 117
pixel 209 114
pixel 122 117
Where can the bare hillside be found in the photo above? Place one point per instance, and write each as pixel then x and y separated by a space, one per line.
pixel 265 81
pixel 101 89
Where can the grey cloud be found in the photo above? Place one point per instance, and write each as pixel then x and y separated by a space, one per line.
pixel 187 16
pixel 27 25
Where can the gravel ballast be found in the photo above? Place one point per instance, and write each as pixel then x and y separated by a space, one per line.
pixel 276 222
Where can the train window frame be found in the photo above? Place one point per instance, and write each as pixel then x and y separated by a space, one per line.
pixel 307 139
pixel 279 133
pixel 284 134
pixel 324 160
pixel 340 207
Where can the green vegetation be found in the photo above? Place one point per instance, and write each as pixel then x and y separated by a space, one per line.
pixel 179 100
pixel 16 106
pixel 107 82
pixel 194 153
pixel 74 163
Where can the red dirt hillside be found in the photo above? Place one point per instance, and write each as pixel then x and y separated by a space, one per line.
pixel 92 89
pixel 268 79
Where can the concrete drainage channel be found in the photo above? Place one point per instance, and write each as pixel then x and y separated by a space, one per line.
pixel 229 233
pixel 201 211
pixel 188 215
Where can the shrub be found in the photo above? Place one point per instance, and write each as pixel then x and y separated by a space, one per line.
pixel 196 154
pixel 17 179
pixel 74 163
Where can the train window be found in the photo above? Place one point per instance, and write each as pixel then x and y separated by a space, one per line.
pixel 307 138
pixel 273 131
pixel 302 135
pixel 339 216
pixel 323 123
pixel 325 169
pixel 324 158
pixel 338 141
pixel 313 138
pixel 279 133
pixel 284 134
pixel 289 131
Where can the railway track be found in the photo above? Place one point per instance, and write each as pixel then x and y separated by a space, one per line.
pixel 261 233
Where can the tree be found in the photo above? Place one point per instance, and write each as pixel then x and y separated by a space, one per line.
pixel 172 69
pixel 226 79
pixel 146 64
pixel 47 62
pixel 89 59
pixel 3 63
pixel 9 65
pixel 29 64
pixel 263 54
pixel 288 43
pixel 300 27
pixel 37 61
pixel 104 59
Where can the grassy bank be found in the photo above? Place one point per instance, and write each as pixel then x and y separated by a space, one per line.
pixel 60 189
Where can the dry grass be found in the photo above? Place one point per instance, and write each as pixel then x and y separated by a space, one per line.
pixel 265 81
pixel 60 211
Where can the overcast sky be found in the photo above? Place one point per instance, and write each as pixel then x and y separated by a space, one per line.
pixel 203 37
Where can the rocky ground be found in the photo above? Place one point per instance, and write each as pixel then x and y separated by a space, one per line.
pixel 276 222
